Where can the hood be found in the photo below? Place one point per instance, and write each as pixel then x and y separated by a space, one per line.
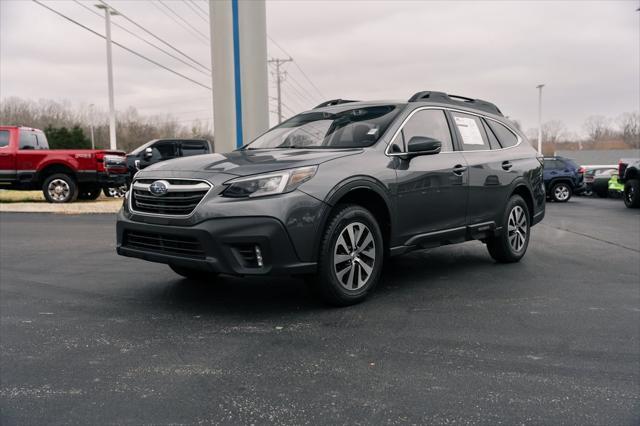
pixel 251 162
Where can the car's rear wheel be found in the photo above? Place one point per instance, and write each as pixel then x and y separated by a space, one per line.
pixel 351 256
pixel 632 193
pixel 194 273
pixel 511 244
pixel 60 188
pixel 561 192
pixel 117 192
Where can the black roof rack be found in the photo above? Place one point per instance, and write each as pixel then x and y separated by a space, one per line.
pixel 456 100
pixel 333 102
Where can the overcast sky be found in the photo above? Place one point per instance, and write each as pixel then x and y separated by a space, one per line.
pixel 586 52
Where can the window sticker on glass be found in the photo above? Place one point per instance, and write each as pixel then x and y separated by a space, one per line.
pixel 469 131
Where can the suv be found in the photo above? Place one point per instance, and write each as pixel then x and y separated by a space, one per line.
pixel 562 178
pixel 64 175
pixel 157 150
pixel 629 176
pixel 332 192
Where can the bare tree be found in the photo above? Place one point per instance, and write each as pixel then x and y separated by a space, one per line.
pixel 553 131
pixel 598 127
pixel 629 124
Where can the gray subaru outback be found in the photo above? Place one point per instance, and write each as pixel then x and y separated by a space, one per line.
pixel 332 192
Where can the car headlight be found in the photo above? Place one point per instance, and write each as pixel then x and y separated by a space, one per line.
pixel 269 183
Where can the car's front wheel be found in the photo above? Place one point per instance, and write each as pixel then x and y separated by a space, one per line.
pixel 632 193
pixel 511 244
pixel 561 192
pixel 194 274
pixel 60 188
pixel 351 255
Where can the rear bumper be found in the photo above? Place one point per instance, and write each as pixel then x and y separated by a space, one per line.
pixel 223 245
pixel 102 179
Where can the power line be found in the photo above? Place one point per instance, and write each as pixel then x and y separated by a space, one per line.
pixel 197 11
pixel 144 40
pixel 311 96
pixel 204 12
pixel 279 78
pixel 122 46
pixel 155 36
pixel 204 36
pixel 297 66
pixel 301 97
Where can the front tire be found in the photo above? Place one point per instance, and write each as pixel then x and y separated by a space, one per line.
pixel 194 274
pixel 351 256
pixel 511 245
pixel 561 192
pixel 60 188
pixel 632 193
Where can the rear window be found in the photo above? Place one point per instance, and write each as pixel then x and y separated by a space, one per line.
pixel 28 140
pixel 471 131
pixel 504 135
pixel 4 138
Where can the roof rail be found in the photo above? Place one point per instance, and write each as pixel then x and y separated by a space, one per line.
pixel 333 102
pixel 456 100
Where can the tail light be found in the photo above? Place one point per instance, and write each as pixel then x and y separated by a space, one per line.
pixel 581 170
pixel 100 161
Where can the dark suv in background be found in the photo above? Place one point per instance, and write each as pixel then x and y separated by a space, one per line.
pixel 158 150
pixel 562 178
pixel 332 192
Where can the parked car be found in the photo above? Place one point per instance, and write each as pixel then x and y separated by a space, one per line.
pixel 601 179
pixel 589 176
pixel 629 176
pixel 333 191
pixel 158 150
pixel 562 178
pixel 63 175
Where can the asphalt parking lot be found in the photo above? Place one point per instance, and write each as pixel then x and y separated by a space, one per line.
pixel 88 337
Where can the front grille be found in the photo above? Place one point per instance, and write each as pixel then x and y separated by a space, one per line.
pixel 163 243
pixel 181 198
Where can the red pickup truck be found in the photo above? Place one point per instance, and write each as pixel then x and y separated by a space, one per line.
pixel 64 175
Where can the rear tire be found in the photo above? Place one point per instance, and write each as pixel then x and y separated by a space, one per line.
pixel 511 245
pixel 351 256
pixel 632 193
pixel 60 188
pixel 561 192
pixel 117 192
pixel 89 193
pixel 194 274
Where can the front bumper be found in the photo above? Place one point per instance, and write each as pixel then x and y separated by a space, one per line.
pixel 224 245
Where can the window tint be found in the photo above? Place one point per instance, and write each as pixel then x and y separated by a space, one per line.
pixel 471 132
pixel 193 148
pixel 164 151
pixel 28 140
pixel 431 123
pixel 4 138
pixel 42 141
pixel 505 136
pixel 553 164
pixel 493 141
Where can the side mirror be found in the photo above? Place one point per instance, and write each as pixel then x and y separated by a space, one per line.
pixel 148 152
pixel 421 145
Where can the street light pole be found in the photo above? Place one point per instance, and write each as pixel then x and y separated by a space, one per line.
pixel 93 142
pixel 539 87
pixel 112 109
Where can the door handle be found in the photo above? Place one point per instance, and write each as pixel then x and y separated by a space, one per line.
pixel 506 165
pixel 459 169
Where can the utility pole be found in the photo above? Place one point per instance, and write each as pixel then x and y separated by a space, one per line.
pixel 112 109
pixel 91 115
pixel 279 79
pixel 539 87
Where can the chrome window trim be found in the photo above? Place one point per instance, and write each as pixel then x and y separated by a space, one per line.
pixel 397 132
pixel 178 216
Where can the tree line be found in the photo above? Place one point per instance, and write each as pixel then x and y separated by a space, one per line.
pixel 69 127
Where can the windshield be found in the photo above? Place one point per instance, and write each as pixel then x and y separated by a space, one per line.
pixel 353 128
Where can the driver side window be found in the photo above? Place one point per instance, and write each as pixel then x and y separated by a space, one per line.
pixel 430 123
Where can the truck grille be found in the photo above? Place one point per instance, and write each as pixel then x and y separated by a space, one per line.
pixel 163 243
pixel 180 199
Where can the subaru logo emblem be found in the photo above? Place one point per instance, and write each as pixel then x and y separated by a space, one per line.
pixel 159 187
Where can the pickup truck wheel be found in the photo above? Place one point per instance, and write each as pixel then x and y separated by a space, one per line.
pixel 511 245
pixel 194 274
pixel 89 193
pixel 561 192
pixel 351 256
pixel 60 188
pixel 117 192
pixel 632 193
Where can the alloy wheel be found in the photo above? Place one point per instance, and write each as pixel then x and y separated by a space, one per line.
pixel 58 190
pixel 517 228
pixel 561 192
pixel 354 256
